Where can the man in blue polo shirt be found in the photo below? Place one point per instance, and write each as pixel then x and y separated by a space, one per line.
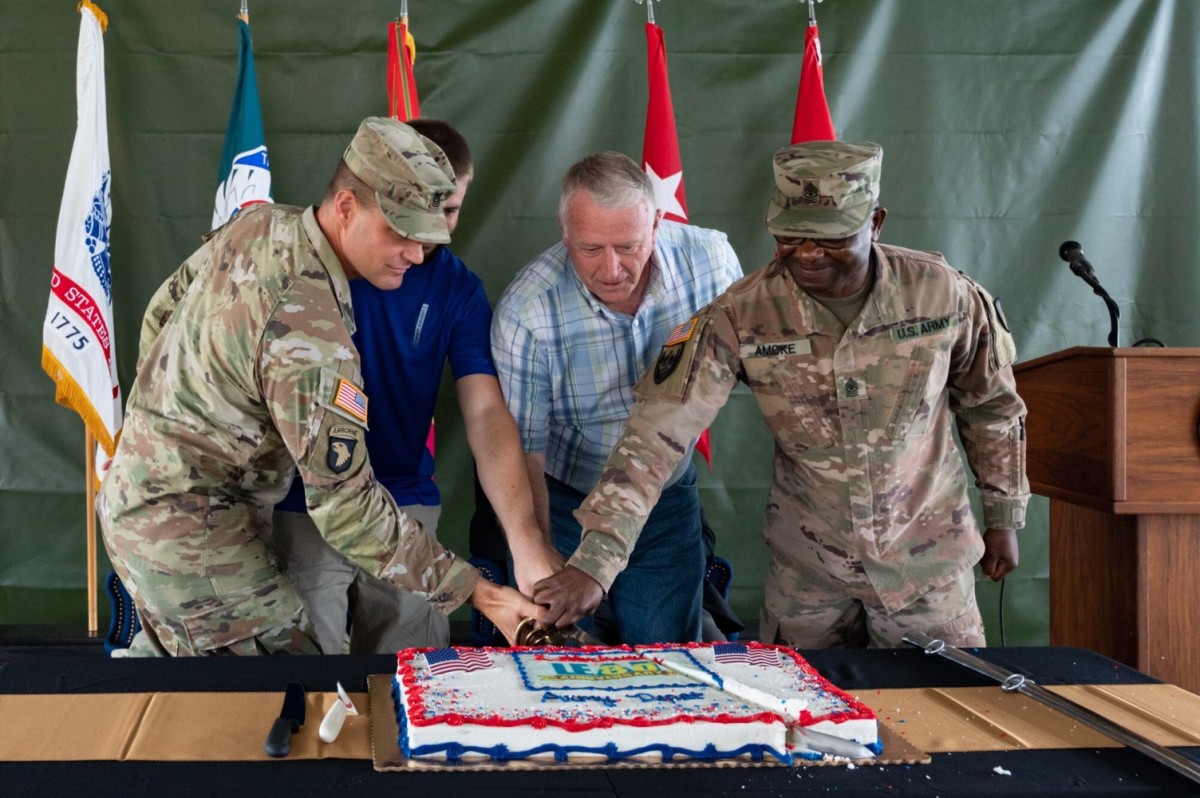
pixel 404 338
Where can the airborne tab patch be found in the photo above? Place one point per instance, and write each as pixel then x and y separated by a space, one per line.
pixel 350 398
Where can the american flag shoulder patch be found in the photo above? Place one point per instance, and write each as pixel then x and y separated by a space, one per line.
pixel 349 397
pixel 682 332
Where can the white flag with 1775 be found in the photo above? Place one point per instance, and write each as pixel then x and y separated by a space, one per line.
pixel 77 336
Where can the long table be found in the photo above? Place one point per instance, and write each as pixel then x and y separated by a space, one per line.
pixel 1110 771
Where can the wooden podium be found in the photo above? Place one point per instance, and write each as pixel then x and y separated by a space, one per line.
pixel 1114 441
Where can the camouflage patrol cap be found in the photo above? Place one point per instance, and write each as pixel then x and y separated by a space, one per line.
pixel 824 189
pixel 411 176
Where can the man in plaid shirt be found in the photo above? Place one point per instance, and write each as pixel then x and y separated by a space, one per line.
pixel 571 335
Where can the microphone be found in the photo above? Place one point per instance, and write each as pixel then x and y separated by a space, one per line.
pixel 1072 253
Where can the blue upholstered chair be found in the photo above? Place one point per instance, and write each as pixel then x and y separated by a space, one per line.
pixel 123 621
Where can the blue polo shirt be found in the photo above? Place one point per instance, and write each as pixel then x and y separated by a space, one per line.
pixel 404 338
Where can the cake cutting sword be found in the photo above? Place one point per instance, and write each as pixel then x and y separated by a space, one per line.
pixel 1012 682
pixel 806 738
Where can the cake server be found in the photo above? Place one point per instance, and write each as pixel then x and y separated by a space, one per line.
pixel 331 724
pixel 802 738
pixel 827 744
pixel 291 718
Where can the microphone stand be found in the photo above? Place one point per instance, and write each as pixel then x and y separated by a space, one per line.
pixel 1114 313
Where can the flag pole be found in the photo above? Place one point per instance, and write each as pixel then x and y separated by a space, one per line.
pixel 812 11
pixel 89 443
pixel 244 14
pixel 649 9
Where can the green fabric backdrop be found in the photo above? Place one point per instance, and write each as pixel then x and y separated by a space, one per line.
pixel 1007 127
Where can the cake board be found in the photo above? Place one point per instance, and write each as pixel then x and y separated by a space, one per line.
pixel 386 755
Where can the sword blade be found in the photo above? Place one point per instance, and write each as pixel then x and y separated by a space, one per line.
pixel 1011 681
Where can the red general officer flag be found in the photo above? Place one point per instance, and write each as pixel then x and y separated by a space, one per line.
pixel 660 154
pixel 403 103
pixel 812 122
pixel 401 85
pixel 77 335
pixel 660 149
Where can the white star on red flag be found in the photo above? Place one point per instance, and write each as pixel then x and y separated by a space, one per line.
pixel 666 190
pixel 660 148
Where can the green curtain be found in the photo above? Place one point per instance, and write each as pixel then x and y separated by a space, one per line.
pixel 1007 127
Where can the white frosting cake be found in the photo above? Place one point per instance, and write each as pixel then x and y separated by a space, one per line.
pixel 701 701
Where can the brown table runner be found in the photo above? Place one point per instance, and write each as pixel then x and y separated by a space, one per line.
pixel 232 726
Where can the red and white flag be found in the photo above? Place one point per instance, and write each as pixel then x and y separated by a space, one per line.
pixel 403 104
pixel 660 148
pixel 812 121
pixel 77 335
pixel 401 85
pixel 660 154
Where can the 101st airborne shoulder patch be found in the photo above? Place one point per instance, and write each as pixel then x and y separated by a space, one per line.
pixel 343 440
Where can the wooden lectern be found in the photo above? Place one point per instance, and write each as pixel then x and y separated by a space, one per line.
pixel 1114 441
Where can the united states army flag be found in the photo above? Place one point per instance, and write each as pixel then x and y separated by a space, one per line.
pixel 77 336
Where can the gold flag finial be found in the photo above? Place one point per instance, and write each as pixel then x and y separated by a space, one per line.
pixel 101 17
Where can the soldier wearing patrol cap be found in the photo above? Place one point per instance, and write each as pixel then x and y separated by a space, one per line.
pixel 247 373
pixel 862 357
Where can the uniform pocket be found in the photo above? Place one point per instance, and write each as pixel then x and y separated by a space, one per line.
pixel 916 383
pixel 797 401
pixel 241 615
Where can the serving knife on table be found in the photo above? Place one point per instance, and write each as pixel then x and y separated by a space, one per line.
pixel 291 718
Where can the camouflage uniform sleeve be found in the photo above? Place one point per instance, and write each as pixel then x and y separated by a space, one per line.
pixel 676 400
pixel 320 411
pixel 162 304
pixel 989 412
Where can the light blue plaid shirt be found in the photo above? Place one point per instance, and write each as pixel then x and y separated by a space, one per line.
pixel 568 364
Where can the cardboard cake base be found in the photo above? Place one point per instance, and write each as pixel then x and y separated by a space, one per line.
pixel 386 756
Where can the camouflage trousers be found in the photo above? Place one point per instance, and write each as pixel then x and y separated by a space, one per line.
pixel 800 614
pixel 252 611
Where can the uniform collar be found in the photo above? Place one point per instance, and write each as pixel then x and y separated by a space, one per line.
pixel 883 306
pixel 333 266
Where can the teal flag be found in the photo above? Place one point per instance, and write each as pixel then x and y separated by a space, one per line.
pixel 245 176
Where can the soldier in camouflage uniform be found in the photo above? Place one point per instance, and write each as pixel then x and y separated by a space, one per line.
pixel 247 373
pixel 862 356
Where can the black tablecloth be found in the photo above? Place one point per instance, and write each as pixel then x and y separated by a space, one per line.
pixel 1107 772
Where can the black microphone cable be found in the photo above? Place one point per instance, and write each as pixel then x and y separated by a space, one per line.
pixel 1000 602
